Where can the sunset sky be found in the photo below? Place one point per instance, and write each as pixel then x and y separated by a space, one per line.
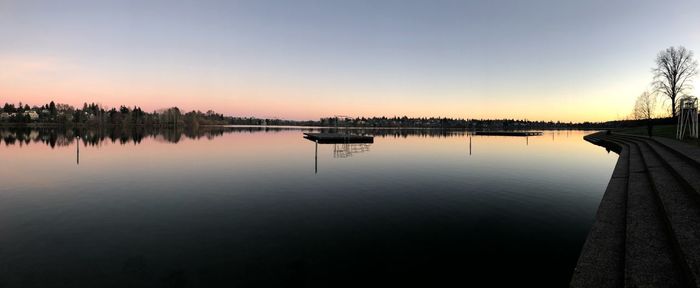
pixel 540 60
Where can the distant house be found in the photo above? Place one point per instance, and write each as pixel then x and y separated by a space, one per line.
pixel 4 116
pixel 32 114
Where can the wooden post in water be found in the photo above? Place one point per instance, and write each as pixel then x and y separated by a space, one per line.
pixel 77 150
pixel 470 145
pixel 316 159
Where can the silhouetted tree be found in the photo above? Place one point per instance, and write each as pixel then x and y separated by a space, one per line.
pixel 52 108
pixel 9 108
pixel 645 109
pixel 675 68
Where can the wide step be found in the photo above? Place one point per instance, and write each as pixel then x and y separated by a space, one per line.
pixel 661 211
pixel 602 258
pixel 649 256
pixel 679 205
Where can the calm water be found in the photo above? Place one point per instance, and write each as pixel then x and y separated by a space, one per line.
pixel 246 207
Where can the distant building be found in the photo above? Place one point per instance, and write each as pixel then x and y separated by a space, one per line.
pixel 4 116
pixel 32 114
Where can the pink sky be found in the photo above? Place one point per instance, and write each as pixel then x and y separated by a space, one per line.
pixel 38 80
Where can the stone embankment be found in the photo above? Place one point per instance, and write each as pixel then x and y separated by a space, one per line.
pixel 647 228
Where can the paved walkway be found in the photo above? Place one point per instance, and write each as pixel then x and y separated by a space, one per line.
pixel 647 229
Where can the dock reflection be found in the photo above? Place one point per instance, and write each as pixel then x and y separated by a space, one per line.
pixel 346 150
pixel 341 151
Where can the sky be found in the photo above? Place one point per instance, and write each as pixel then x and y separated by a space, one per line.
pixel 554 60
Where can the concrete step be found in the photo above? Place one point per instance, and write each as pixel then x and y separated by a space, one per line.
pixel 679 207
pixel 688 151
pixel 650 260
pixel 683 168
pixel 602 259
pixel 660 246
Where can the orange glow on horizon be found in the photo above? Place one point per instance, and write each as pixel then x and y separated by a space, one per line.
pixel 39 81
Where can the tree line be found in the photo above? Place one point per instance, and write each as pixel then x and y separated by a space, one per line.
pixel 96 115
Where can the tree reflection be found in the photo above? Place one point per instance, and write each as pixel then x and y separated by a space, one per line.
pixel 63 136
pixel 59 136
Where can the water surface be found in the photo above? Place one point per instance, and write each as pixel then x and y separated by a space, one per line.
pixel 248 207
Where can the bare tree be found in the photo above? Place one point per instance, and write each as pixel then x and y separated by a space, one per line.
pixel 645 106
pixel 674 72
pixel 645 109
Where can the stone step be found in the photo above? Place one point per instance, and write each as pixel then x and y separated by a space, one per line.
pixel 601 263
pixel 680 209
pixel 683 168
pixel 687 151
pixel 660 245
pixel 650 259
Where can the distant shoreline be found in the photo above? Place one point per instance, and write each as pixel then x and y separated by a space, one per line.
pixel 81 125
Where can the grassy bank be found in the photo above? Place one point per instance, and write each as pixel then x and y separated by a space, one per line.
pixel 666 131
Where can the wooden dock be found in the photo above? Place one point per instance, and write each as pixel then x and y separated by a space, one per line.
pixel 647 228
pixel 508 133
pixel 330 138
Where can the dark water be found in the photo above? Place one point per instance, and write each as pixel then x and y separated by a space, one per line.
pixel 244 207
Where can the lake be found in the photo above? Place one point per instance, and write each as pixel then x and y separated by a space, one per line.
pixel 255 207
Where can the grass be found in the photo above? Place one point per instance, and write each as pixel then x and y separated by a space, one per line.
pixel 666 131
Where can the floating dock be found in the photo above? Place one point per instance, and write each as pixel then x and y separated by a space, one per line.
pixel 330 138
pixel 508 133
